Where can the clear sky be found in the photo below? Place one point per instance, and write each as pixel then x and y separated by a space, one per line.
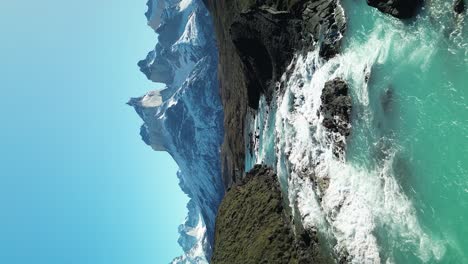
pixel 77 185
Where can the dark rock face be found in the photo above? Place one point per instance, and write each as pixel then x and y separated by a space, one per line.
pixel 336 111
pixel 336 106
pixel 459 6
pixel 267 35
pixel 160 71
pixel 253 227
pixel 326 20
pixel 265 41
pixel 257 40
pixel 398 8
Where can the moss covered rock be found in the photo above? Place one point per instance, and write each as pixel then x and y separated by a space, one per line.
pixel 254 227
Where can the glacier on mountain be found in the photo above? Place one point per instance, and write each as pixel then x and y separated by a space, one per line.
pixel 186 118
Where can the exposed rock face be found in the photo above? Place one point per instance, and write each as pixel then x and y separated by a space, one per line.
pixel 398 8
pixel 154 13
pixel 459 6
pixel 336 111
pixel 257 41
pixel 185 119
pixel 253 226
pixel 325 24
pixel 265 40
pixel 336 106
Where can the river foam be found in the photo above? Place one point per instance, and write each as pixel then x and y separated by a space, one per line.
pixel 358 208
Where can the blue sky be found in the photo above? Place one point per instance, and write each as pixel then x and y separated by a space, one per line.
pixel 77 185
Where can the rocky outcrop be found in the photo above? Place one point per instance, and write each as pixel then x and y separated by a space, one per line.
pixel 254 227
pixel 398 8
pixel 336 106
pixel 185 119
pixel 154 13
pixel 257 41
pixel 265 40
pixel 325 24
pixel 459 6
pixel 336 110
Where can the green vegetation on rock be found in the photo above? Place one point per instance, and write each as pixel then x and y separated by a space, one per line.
pixel 253 227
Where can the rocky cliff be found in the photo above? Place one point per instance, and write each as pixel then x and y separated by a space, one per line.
pixel 257 41
pixel 398 8
pixel 260 43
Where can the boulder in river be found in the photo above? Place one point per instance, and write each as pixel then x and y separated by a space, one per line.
pixel 402 9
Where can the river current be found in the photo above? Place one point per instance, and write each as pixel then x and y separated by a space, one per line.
pixel 400 194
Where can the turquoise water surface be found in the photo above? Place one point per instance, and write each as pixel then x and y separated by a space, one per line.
pixel 417 95
pixel 401 194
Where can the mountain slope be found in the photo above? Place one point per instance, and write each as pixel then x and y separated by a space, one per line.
pixel 185 118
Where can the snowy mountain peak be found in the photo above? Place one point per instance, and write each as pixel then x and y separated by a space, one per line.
pixel 186 118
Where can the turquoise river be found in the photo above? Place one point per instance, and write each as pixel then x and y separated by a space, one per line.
pixel 402 187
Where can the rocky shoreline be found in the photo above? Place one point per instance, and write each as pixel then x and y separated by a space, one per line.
pixel 257 40
pixel 254 225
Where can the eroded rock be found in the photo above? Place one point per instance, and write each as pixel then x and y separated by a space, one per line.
pixel 336 106
pixel 257 40
pixel 402 9
pixel 265 41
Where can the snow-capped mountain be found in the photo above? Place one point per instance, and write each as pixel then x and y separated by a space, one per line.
pixel 186 118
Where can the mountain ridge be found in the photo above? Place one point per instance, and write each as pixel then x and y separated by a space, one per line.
pixel 185 118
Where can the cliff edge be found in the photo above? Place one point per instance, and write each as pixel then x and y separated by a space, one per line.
pixel 253 225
